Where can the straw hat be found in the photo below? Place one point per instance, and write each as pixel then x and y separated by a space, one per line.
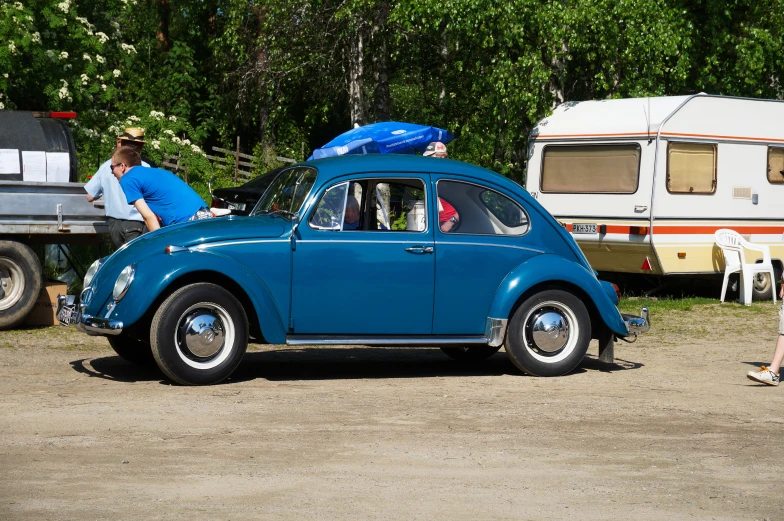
pixel 132 134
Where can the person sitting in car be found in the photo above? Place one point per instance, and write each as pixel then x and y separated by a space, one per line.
pixel 448 218
pixel 351 219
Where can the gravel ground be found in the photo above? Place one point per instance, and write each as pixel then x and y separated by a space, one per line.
pixel 672 430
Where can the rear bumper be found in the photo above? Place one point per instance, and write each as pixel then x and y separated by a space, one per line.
pixel 69 313
pixel 637 325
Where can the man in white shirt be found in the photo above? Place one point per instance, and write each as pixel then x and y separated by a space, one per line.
pixel 125 221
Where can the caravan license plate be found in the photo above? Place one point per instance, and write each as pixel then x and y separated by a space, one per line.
pixel 583 228
pixel 236 206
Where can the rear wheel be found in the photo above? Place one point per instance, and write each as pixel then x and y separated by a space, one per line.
pixel 132 350
pixel 470 353
pixel 199 334
pixel 549 334
pixel 21 278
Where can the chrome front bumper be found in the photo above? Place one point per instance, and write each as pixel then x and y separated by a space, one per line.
pixel 637 325
pixel 69 313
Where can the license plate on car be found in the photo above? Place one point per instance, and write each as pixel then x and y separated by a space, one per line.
pixel 236 206
pixel 583 228
pixel 65 315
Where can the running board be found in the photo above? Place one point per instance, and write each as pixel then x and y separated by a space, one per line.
pixel 321 340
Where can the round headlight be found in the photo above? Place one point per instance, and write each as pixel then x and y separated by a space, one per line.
pixel 123 282
pixel 91 271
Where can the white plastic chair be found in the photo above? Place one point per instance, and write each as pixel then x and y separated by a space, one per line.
pixel 732 246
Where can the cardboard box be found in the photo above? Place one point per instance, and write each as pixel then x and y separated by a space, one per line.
pixel 44 312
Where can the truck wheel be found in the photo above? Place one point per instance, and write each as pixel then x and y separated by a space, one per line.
pixel 21 277
pixel 549 334
pixel 132 350
pixel 470 353
pixel 199 334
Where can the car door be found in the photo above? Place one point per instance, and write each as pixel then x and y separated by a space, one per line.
pixel 480 237
pixel 374 279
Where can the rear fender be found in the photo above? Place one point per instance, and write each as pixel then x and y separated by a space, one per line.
pixel 546 268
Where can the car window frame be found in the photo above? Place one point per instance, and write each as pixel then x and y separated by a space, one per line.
pixel 373 179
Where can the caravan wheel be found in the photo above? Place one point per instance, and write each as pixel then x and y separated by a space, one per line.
pixel 763 287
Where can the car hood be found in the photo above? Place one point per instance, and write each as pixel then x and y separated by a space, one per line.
pixel 189 234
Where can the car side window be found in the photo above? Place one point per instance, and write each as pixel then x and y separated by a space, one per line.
pixel 390 205
pixel 340 208
pixel 329 211
pixel 467 208
pixel 397 205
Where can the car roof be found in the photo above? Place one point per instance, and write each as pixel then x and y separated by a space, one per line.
pixel 333 167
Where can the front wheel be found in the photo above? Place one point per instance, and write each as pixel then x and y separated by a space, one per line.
pixel 470 353
pixel 549 334
pixel 199 334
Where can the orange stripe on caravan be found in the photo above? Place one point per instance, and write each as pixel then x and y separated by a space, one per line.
pixel 711 136
pixel 689 230
pixel 669 134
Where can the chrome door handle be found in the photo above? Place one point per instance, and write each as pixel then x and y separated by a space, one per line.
pixel 420 249
pixel 640 208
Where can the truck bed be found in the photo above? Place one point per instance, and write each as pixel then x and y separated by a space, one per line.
pixel 56 212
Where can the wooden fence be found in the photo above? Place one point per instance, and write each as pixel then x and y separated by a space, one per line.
pixel 237 162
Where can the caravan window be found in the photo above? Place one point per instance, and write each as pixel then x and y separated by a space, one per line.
pixel 776 164
pixel 591 169
pixel 691 168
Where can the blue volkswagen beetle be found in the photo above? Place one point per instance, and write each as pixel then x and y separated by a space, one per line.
pixel 366 250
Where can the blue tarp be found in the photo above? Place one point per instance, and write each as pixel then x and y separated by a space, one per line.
pixel 383 138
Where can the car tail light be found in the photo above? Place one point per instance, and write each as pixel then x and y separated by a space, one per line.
pixel 217 203
pixel 617 290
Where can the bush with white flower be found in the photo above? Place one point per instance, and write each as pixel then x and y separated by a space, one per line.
pixel 166 140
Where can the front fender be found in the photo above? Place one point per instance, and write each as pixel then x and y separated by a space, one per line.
pixel 554 268
pixel 155 274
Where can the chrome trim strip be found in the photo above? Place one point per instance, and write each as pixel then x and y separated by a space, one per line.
pixel 200 247
pixel 495 331
pixel 314 340
pixel 490 244
pixel 637 325
pixel 174 249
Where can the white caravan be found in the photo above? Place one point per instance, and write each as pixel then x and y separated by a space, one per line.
pixel 643 184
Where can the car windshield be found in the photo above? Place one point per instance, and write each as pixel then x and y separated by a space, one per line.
pixel 262 182
pixel 287 193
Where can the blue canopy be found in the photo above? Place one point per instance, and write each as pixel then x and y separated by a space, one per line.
pixel 383 138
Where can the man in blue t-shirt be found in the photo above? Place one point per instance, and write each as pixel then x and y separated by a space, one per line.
pixel 155 192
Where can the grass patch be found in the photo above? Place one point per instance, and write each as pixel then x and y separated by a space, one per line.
pixel 633 305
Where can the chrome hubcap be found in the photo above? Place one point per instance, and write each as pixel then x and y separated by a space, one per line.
pixel 549 330
pixel 12 283
pixel 205 335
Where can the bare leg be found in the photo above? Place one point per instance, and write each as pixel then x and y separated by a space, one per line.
pixel 778 355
